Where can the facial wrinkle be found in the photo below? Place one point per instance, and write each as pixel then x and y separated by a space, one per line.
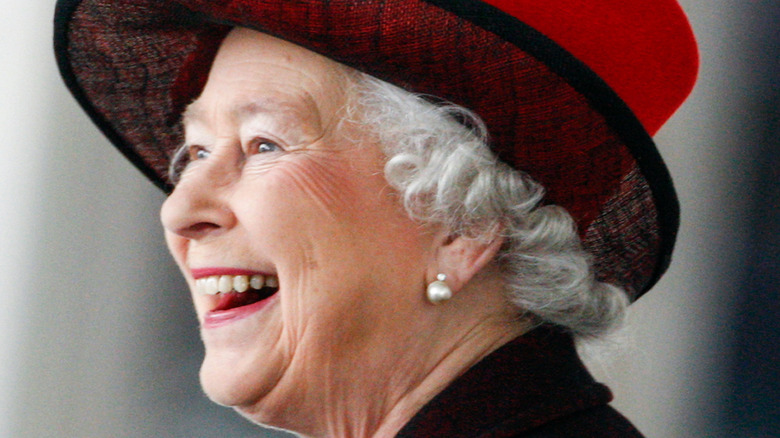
pixel 320 174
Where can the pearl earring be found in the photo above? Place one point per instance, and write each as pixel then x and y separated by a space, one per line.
pixel 438 290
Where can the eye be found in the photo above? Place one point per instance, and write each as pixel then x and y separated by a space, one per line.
pixel 198 153
pixel 183 158
pixel 263 145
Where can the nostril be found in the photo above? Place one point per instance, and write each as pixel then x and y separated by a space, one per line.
pixel 200 229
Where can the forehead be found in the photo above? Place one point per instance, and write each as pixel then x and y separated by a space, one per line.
pixel 256 73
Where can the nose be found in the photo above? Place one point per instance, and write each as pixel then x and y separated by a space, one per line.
pixel 199 206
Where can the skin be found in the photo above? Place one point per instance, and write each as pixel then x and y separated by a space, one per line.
pixel 349 346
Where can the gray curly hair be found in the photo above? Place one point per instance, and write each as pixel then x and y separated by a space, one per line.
pixel 440 163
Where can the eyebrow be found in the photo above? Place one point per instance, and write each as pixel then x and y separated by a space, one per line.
pixel 247 110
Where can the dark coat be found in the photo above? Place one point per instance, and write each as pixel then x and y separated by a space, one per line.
pixel 535 386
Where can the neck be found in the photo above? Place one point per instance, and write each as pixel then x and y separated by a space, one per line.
pixel 374 393
pixel 473 347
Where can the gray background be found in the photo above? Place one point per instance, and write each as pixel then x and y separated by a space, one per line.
pixel 99 339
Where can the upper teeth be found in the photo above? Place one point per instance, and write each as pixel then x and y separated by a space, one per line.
pixel 238 283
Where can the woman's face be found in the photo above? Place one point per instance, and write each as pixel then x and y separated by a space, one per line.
pixel 278 187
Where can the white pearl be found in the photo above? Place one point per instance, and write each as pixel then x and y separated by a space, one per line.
pixel 438 291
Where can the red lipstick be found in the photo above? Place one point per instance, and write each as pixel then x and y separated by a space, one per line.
pixel 218 318
pixel 210 271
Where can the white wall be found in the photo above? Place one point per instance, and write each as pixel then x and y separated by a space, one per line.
pixel 98 337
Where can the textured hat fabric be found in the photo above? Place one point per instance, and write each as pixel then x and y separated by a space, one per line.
pixel 561 98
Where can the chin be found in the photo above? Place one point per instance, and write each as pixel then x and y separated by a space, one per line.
pixel 245 392
pixel 226 383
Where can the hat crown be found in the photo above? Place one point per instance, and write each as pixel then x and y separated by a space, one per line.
pixel 643 49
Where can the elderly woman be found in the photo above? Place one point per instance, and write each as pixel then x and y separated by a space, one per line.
pixel 366 259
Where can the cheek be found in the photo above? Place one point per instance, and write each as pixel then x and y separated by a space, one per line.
pixel 330 223
pixel 328 183
pixel 309 192
pixel 305 213
pixel 347 223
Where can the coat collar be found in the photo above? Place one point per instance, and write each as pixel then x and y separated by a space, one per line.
pixel 528 382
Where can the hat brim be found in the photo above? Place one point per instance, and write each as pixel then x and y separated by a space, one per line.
pixel 134 64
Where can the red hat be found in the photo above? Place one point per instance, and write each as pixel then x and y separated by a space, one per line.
pixel 570 90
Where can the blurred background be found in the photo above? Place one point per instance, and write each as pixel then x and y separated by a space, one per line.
pixel 99 339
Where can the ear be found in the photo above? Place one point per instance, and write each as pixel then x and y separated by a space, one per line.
pixel 461 258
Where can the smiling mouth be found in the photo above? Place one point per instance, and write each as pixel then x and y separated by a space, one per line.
pixel 235 291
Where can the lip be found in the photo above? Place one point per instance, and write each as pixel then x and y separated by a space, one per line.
pixel 210 271
pixel 218 318
pixel 214 319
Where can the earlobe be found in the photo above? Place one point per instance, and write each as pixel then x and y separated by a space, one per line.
pixel 461 257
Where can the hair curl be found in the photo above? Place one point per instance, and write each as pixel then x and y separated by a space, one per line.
pixel 440 163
